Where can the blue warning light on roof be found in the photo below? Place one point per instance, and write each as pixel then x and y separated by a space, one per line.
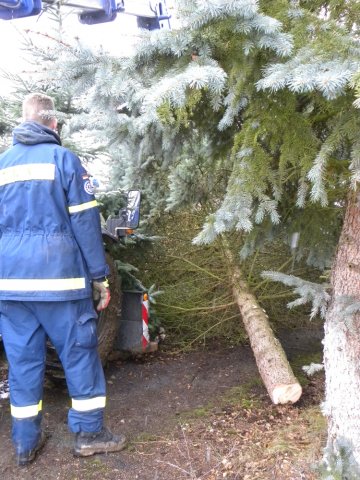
pixel 106 13
pixel 151 14
pixel 10 9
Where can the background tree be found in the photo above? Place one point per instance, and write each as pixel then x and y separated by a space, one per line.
pixel 274 111
pixel 153 138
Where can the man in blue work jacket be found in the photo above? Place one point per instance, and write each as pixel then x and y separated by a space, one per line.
pixel 52 262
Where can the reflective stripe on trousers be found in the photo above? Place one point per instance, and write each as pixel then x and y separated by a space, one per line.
pixel 88 404
pixel 71 327
pixel 25 412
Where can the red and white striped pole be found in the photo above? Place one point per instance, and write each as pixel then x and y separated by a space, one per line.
pixel 145 321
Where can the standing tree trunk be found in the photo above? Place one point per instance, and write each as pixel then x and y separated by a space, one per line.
pixel 342 349
pixel 270 357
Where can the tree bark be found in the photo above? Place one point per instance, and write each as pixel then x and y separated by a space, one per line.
pixel 270 357
pixel 342 348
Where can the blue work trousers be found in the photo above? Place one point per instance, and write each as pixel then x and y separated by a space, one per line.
pixel 71 327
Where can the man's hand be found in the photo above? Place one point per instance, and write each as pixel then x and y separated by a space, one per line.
pixel 101 293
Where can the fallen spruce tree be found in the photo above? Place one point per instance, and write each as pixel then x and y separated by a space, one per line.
pixel 274 368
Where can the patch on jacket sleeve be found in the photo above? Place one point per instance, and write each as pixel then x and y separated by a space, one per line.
pixel 88 187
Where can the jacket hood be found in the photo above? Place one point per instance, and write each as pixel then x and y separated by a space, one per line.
pixel 32 133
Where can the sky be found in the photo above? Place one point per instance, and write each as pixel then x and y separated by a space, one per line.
pixel 115 37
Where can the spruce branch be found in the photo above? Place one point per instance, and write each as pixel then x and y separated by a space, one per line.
pixel 316 174
pixel 313 368
pixel 309 292
pixel 233 106
pixel 347 307
pixel 355 163
pixel 172 88
pixel 301 193
pixel 308 71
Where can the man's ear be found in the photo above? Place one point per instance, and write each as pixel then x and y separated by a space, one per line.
pixel 53 123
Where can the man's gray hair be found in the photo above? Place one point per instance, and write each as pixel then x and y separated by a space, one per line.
pixel 39 108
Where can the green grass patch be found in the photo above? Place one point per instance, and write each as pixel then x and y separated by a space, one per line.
pixel 307 434
pixel 243 394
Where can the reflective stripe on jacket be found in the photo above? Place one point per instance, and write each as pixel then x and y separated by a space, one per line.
pixel 50 234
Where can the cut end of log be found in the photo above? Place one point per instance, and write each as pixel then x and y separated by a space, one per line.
pixel 286 393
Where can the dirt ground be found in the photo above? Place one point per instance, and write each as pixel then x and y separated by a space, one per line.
pixel 200 415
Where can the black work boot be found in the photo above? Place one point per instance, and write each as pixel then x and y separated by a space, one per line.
pixel 87 444
pixel 24 458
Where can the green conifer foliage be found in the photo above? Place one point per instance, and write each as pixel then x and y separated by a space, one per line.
pixel 261 91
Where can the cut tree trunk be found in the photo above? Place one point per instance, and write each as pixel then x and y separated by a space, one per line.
pixel 274 368
pixel 342 348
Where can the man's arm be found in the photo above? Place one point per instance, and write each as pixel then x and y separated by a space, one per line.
pixel 84 217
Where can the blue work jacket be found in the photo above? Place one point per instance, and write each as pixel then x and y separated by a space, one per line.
pixel 50 233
